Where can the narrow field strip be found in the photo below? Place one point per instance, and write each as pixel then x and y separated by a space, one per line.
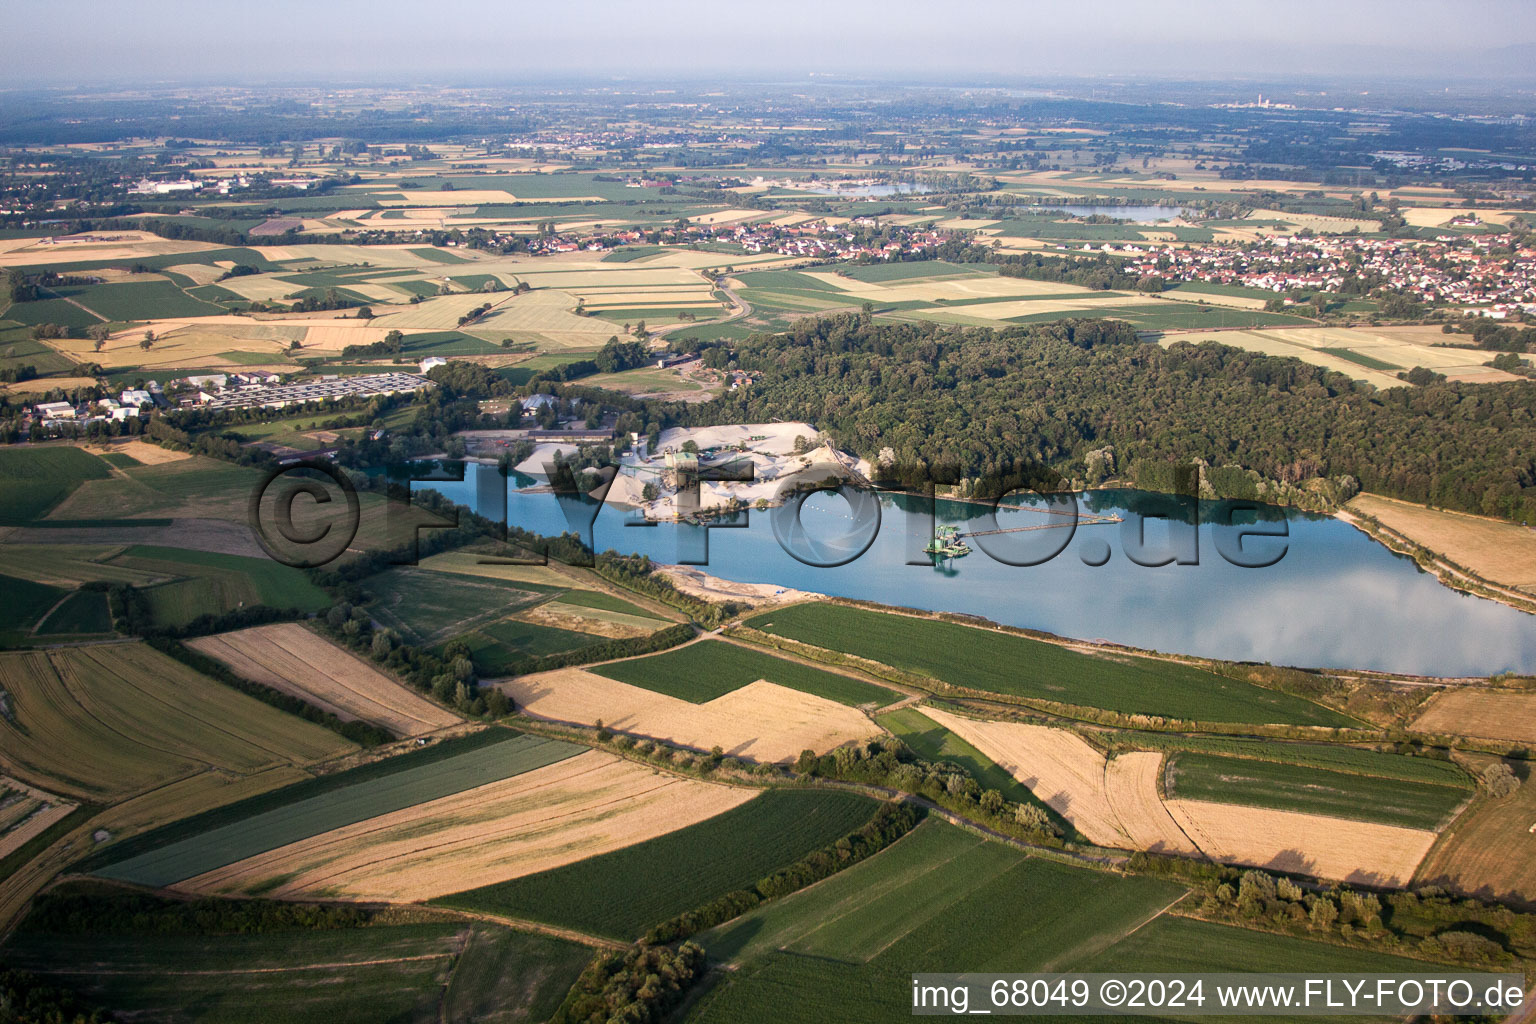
pixel 344 806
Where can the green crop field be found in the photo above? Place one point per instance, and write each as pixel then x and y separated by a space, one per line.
pixel 1184 944
pixel 430 607
pixel 18 348
pixel 939 899
pixel 216 583
pixel 70 563
pixel 84 611
pixel 942 899
pixel 982 659
pixel 25 602
pixel 1369 362
pixel 621 894
pixel 1313 790
pixel 533 638
pixel 712 668
pixel 296 813
pixel 139 300
pixel 34 480
pixel 400 973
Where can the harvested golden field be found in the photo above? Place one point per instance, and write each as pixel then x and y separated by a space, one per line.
pixel 105 245
pixel 1310 844
pixel 1215 299
pixel 288 657
pixel 1484 714
pixel 761 721
pixel 106 721
pixel 1400 348
pixel 436 314
pixel 1058 767
pixel 1490 850
pixel 564 812
pixel 729 216
pixel 191 341
pixel 999 311
pixel 1130 782
pixel 1317 223
pixel 966 287
pixel 26 811
pixel 1498 551
pixel 146 453
pixel 39 385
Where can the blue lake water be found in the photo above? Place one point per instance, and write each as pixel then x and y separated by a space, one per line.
pixel 1335 598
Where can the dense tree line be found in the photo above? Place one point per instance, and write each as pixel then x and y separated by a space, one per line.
pixel 89 909
pixel 27 999
pixel 637 986
pixel 890 763
pixel 985 403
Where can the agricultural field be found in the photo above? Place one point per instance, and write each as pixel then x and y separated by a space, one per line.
pixel 206 582
pixel 1486 714
pixel 621 894
pixel 1313 790
pixel 761 721
pixel 1490 850
pixel 430 607
pixel 35 480
pixel 288 657
pixel 1359 852
pixel 82 613
pixel 973 295
pixel 548 816
pixel 412 973
pixel 845 949
pixel 1058 766
pixel 703 671
pixel 1498 551
pixel 26 603
pixel 998 662
pixel 280 817
pixel 106 721
pixel 1372 354
pixel 1275 816
pixel 26 811
pixel 187 488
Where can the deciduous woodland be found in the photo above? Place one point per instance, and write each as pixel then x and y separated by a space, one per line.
pixel 986 402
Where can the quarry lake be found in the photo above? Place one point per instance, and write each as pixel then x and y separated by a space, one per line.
pixel 1336 599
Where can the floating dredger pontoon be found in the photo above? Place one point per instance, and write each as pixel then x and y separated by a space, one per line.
pixel 949 541
pixel 946 543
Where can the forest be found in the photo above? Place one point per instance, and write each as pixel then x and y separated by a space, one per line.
pixel 1086 400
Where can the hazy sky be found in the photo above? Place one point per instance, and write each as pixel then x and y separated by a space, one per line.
pixel 50 42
